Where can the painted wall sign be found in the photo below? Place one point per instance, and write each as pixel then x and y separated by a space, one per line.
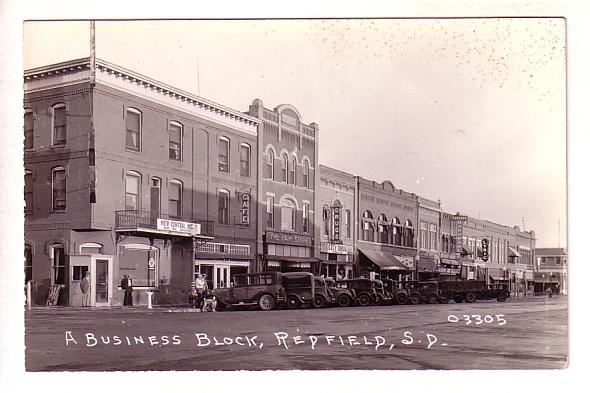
pixel 179 226
pixel 287 238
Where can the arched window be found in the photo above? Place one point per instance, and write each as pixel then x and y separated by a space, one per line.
pixel 397 231
pixel 59 124
pixel 368 227
pixel 285 165
pixel 270 165
pixel 91 248
pixel 383 229
pixel 133 129
pixel 326 219
pixel 132 191
pixel 408 234
pixel 223 150
pixel 223 207
pixel 245 160
pixel 288 209
pixel 292 170
pixel 58 186
pixel 305 173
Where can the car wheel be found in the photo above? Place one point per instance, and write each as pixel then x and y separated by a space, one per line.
pixel 378 300
pixel 432 299
pixel 415 299
pixel 443 299
pixel 364 300
pixel 319 301
pixel 458 299
pixel 502 297
pixel 470 297
pixel 344 301
pixel 266 302
pixel 402 298
pixel 293 302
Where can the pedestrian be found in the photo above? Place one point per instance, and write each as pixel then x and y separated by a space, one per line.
pixel 550 292
pixel 193 298
pixel 201 287
pixel 85 287
pixel 127 286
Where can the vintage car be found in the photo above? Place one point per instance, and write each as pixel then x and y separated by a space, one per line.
pixel 397 293
pixel 300 289
pixel 471 290
pixel 362 288
pixel 383 297
pixel 264 290
pixel 342 296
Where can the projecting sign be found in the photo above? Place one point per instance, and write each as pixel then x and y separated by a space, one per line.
pixel 485 249
pixel 336 223
pixel 245 209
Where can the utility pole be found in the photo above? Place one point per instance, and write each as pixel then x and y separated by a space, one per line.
pixel 558 233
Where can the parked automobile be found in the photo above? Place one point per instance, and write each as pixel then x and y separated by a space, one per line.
pixel 364 290
pixel 264 290
pixel 303 288
pixel 412 291
pixel 429 291
pixel 383 297
pixel 471 290
pixel 397 293
pixel 342 296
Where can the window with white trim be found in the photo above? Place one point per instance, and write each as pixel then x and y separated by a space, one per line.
pixel 28 263
pixel 288 210
pixel 270 207
pixel 29 127
pixel 133 129
pixel 223 153
pixel 284 168
pixel 305 173
pixel 58 258
pixel 132 191
pixel 175 141
pixel 245 158
pixel 59 124
pixel 432 232
pixel 175 199
pixel 305 217
pixel 223 207
pixel 28 191
pixel 423 235
pixel 292 170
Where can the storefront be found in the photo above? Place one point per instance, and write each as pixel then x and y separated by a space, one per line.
pixel 449 269
pixel 286 252
pixel 386 264
pixel 337 260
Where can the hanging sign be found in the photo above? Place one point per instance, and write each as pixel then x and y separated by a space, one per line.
pixel 245 209
pixel 485 244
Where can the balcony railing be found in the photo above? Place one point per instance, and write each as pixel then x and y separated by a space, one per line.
pixel 145 220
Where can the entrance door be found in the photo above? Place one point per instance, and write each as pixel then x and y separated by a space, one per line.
pixel 155 199
pixel 221 276
pixel 101 276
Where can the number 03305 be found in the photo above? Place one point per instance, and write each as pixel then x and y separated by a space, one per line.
pixel 477 319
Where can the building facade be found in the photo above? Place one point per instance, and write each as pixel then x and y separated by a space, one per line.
pixel 128 176
pixel 336 217
pixel 551 270
pixel 288 171
pixel 386 222
pixel 429 238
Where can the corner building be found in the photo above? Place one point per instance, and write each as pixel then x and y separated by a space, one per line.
pixel 127 175
pixel 288 171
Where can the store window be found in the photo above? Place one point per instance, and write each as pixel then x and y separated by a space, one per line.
pixel 133 129
pixel 223 147
pixel 175 200
pixel 223 207
pixel 59 124
pixel 58 185
pixel 29 126
pixel 175 141
pixel 245 160
pixel 132 191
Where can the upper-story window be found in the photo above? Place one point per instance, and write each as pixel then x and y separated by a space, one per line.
pixel 133 126
pixel 270 165
pixel 396 227
pixel 368 228
pixel 326 219
pixel 175 141
pixel 29 127
pixel 284 166
pixel 28 191
pixel 223 207
pixel 292 170
pixel 288 210
pixel 175 200
pixel 305 173
pixel 59 124
pixel 58 186
pixel 58 257
pixel 382 229
pixel 408 234
pixel 423 235
pixel 223 147
pixel 306 217
pixel 28 263
pixel 132 191
pixel 270 215
pixel 347 217
pixel 432 232
pixel 245 158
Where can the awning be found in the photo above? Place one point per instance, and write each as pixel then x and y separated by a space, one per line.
pixel 385 261
pixel 497 278
pixel 452 262
pixel 466 250
pixel 513 253
pixel 291 259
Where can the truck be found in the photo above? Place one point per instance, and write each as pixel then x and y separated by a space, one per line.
pixel 471 290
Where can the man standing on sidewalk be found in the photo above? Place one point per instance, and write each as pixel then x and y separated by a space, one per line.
pixel 85 288
pixel 127 286
pixel 201 286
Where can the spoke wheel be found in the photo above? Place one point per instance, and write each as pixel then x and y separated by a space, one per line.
pixel 470 297
pixel 266 302
pixel 415 299
pixel 319 301
pixel 344 301
pixel 364 300
pixel 402 299
pixel 293 302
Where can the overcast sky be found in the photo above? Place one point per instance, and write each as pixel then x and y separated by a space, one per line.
pixel 468 111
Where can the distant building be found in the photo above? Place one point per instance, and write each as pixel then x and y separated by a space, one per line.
pixel 551 270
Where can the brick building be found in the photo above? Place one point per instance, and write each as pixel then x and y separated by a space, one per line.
pixel 288 162
pixel 127 175
pixel 551 270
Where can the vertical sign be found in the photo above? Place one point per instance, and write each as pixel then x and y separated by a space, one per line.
pixel 336 223
pixel 245 209
pixel 485 249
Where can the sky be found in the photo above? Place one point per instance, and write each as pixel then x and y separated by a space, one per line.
pixel 468 111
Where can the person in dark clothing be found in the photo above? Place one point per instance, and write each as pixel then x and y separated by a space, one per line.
pixel 127 286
